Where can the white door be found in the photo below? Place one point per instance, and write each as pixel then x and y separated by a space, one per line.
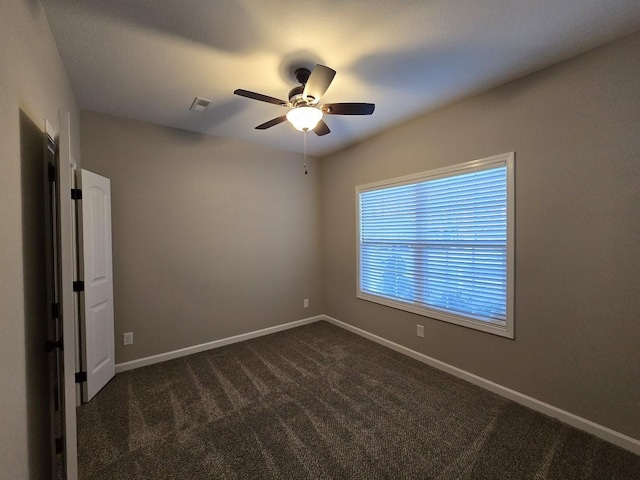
pixel 97 326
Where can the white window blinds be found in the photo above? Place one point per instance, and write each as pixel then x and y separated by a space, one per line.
pixel 439 243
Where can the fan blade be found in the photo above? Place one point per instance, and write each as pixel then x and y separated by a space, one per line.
pixel 318 82
pixel 271 123
pixel 349 108
pixel 321 128
pixel 260 97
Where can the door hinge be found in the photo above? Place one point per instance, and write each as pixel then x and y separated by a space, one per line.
pixel 76 194
pixel 55 310
pixel 59 445
pixel 81 377
pixel 78 286
pixel 51 172
pixel 49 345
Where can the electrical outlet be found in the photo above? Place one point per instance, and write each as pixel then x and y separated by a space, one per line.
pixel 306 303
pixel 127 338
pixel 420 330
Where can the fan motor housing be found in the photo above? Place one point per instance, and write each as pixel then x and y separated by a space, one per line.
pixel 295 96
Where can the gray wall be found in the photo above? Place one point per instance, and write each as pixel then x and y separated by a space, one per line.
pixel 211 237
pixel 33 85
pixel 575 130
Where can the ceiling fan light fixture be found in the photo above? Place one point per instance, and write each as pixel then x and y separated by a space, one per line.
pixel 304 118
pixel 306 112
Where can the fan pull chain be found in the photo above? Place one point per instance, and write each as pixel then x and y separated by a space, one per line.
pixel 304 133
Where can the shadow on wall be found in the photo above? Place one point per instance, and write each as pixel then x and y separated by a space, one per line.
pixel 35 297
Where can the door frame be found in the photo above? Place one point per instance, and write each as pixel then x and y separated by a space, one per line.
pixel 68 302
pixel 54 326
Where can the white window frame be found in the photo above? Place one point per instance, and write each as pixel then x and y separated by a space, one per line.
pixel 505 329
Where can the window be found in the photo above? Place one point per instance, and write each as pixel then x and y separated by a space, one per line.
pixel 440 244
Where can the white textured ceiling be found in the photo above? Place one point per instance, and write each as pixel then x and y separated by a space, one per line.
pixel 148 59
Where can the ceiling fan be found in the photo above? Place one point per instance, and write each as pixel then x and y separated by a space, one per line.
pixel 304 102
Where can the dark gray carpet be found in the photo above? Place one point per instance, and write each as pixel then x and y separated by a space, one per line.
pixel 318 402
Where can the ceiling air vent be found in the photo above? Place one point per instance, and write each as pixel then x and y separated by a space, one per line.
pixel 200 104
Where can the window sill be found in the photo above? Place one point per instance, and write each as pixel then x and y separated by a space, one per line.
pixel 496 328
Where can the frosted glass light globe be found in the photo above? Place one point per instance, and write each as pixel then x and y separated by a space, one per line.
pixel 304 118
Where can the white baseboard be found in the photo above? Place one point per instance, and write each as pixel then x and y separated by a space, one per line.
pixel 588 426
pixel 163 357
